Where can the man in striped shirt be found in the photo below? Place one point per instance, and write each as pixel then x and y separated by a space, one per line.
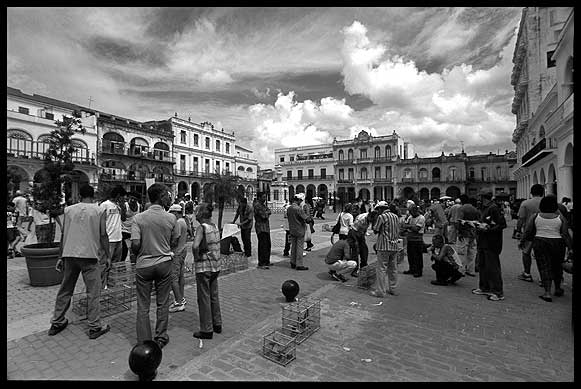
pixel 387 228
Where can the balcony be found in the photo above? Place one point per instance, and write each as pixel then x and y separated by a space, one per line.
pixel 536 153
pixel 345 181
pixel 386 180
pixel 407 180
pixel 345 162
pixel 132 177
pixel 141 152
pixel 28 149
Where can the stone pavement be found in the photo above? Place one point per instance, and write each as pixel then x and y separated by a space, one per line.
pixel 427 333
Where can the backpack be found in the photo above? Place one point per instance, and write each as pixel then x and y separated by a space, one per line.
pixel 337 226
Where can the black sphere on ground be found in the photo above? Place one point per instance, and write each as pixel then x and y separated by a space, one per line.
pixel 290 289
pixel 144 359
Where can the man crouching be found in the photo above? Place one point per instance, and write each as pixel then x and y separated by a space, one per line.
pixel 339 260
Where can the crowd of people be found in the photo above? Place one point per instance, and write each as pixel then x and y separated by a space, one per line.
pixel 467 239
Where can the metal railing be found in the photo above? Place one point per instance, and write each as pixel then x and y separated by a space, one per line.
pixel 119 148
pixel 136 177
pixel 28 149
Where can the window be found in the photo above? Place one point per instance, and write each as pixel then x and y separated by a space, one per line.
pixel 217 145
pixel 363 153
pixel 207 166
pixel 377 172
pixel 388 151
pixel 218 167
pixel 452 173
pixel 550 62
pixel 300 174
pixel 341 155
pixel 363 174
pixel 281 159
pixel 183 137
pixel 182 162
pixel 323 173
pixel 227 148
pixel 195 164
pixel 350 174
pixel 207 143
pixel 289 175
pixel 498 172
pixel 483 173
pixel 196 140
pixel 471 172
pixel 227 166
pixel 341 174
pixel 311 173
pixel 23 110
pixel 377 152
pixel 350 154
pixel 275 194
pixel 49 116
pixel 292 158
pixel 407 173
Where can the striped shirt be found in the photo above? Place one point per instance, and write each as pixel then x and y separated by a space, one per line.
pixel 261 215
pixel 211 260
pixel 387 225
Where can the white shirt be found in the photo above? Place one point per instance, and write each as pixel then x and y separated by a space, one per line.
pixel 113 220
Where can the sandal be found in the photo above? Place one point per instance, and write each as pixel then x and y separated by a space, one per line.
pixel 547 299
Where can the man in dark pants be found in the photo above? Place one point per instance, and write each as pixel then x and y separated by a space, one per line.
pixel 153 235
pixel 245 212
pixel 527 209
pixel 262 227
pixel 298 222
pixel 414 225
pixel 489 245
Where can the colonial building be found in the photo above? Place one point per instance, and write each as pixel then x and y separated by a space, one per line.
pixel 30 119
pixel 455 174
pixel 365 165
pixel 131 152
pixel 306 169
pixel 246 168
pixel 542 77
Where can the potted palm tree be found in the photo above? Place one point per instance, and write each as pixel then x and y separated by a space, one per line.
pixel 47 192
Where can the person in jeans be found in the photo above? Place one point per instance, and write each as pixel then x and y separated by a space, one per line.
pixel 206 251
pixel 339 260
pixel 84 240
pixel 153 233
pixel 356 240
pixel 414 225
pixel 245 212
pixel 298 223
pixel 549 232
pixel 114 229
pixel 466 235
pixel 527 209
pixel 387 229
pixel 489 244
pixel 179 259
pixel 262 227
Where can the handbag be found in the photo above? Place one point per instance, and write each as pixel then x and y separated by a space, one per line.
pixel 568 263
pixel 203 248
pixel 307 234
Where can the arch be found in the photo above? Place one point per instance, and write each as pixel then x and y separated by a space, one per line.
pixel 350 154
pixel 114 137
pixel 161 146
pixel 377 193
pixel 453 191
pixel 240 168
pixel 552 179
pixel 311 190
pixel 249 169
pixel 542 180
pixel 323 191
pixel 388 151
pixel 182 188
pixel 364 194
pixel 535 179
pixel 291 191
pixel 424 194
pixel 17 179
pixel 341 155
pixel 17 133
pixel 195 191
pixel 542 132
pixel 79 143
pixel 408 192
pixel 436 174
pixel 300 188
pixel 435 193
pixel 139 141
pixel 568 156
pixel 377 152
pixel 423 173
pixel 44 138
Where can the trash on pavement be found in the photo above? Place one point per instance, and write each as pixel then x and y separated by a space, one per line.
pixel 353 303
pixel 379 303
pixel 366 359
pixel 346 349
pixel 201 344
pixel 435 294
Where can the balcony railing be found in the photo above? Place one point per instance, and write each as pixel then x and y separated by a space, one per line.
pixel 307 178
pixel 345 181
pixel 387 180
pixel 345 162
pixel 28 149
pixel 137 151
pixel 136 177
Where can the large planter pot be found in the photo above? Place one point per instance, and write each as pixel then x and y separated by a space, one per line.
pixel 41 259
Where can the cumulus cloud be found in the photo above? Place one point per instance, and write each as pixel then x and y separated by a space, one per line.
pixel 430 109
pixel 216 77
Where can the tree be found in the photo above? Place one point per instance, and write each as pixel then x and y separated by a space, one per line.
pixel 225 188
pixel 58 162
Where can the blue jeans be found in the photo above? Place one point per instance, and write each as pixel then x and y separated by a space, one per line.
pixel 145 278
pixel 89 268
pixel 208 300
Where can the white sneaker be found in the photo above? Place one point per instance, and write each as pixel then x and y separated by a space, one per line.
pixel 177 307
pixel 304 254
pixel 184 301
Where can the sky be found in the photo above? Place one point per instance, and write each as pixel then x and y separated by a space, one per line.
pixel 282 77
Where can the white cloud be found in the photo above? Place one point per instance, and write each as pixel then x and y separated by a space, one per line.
pixel 216 77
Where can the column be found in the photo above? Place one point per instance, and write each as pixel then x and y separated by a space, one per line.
pixel 565 182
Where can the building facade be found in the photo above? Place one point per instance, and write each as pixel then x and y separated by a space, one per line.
pixel 305 169
pixel 542 78
pixel 30 119
pixel 131 152
pixel 246 168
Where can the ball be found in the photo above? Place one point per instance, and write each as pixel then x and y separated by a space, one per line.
pixel 144 359
pixel 290 289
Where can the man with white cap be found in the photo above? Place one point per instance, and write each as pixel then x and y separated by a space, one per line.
pixel 179 259
pixel 297 221
pixel 452 219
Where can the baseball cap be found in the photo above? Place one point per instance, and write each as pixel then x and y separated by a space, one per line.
pixel 300 196
pixel 175 208
pixel 382 204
